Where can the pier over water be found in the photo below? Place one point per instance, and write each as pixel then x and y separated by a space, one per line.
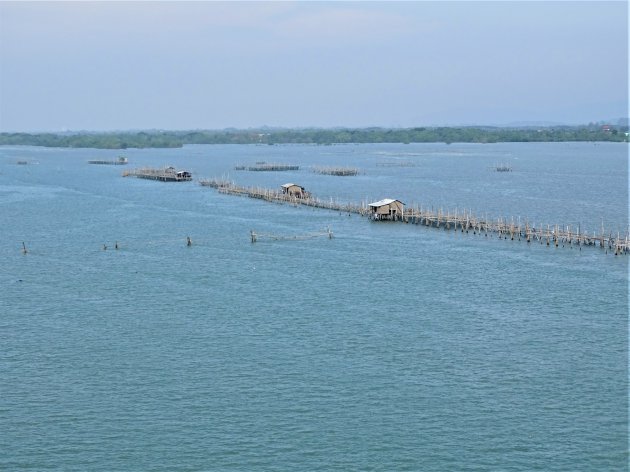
pixel 464 221
pixel 168 174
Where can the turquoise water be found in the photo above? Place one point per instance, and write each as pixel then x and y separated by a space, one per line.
pixel 388 347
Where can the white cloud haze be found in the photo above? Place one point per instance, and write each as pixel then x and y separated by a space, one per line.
pixel 182 65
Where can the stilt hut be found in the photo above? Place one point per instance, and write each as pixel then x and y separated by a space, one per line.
pixel 169 174
pixel 387 209
pixel 294 190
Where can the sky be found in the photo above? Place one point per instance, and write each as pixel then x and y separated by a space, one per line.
pixel 105 66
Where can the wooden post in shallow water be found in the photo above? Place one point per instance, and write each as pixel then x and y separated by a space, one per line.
pixel 527 233
pixel 617 245
pixel 548 235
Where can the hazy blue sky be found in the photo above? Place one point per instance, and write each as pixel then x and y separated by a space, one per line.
pixel 184 65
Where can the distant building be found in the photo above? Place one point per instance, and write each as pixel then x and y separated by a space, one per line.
pixel 387 209
pixel 606 128
pixel 183 175
pixel 294 190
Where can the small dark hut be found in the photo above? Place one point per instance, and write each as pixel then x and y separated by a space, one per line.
pixel 294 190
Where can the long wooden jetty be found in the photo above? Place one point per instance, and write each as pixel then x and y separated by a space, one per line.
pixel 168 174
pixel 121 161
pixel 267 167
pixel 457 220
pixel 215 182
pixel 340 171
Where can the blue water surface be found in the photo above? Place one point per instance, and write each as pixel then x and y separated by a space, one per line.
pixel 390 346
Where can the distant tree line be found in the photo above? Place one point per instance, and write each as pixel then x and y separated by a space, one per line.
pixel 121 140
pixel 174 139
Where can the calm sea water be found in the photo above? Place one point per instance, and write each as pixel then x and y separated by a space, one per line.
pixel 389 347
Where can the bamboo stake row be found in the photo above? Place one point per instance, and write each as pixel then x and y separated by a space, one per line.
pixel 464 221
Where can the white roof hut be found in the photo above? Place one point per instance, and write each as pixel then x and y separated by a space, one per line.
pixel 387 209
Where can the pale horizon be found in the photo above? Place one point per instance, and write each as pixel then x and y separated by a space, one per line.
pixel 122 66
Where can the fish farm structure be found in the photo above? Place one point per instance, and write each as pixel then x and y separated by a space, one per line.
pixel 168 174
pixel 465 221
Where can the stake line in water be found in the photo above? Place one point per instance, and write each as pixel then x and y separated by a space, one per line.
pixel 439 219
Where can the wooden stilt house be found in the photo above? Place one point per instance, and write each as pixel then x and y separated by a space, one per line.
pixel 387 209
pixel 294 190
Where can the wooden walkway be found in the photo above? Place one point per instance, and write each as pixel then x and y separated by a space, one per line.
pixel 168 174
pixel 464 221
pixel 267 167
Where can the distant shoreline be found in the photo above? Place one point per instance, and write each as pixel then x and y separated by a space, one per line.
pixel 320 136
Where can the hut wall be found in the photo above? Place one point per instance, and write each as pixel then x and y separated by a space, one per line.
pixel 294 190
